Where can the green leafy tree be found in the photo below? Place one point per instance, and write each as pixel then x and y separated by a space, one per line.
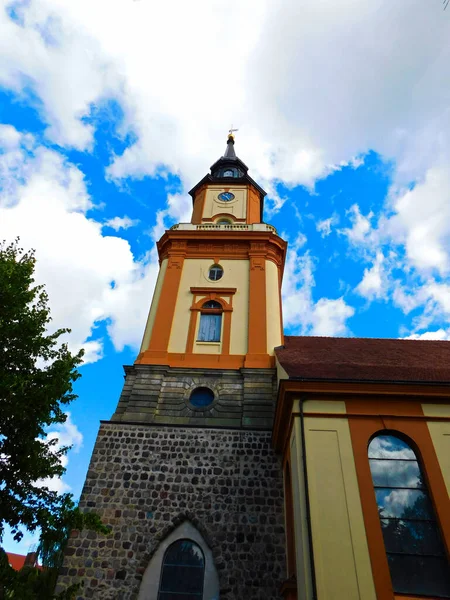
pixel 36 383
pixel 36 378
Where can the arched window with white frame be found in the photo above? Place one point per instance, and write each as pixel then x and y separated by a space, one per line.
pixel 183 572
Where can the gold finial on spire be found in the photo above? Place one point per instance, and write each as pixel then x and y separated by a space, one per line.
pixel 231 132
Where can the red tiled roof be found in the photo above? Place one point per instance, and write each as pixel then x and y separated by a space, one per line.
pixel 16 560
pixel 365 359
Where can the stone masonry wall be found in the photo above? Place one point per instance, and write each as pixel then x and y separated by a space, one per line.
pixel 144 480
pixel 159 394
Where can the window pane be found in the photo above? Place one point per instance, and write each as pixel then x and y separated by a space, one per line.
pixel 182 579
pixel 183 572
pixel 416 554
pixel 420 575
pixel 185 552
pixel 397 473
pixel 175 596
pixel 210 326
pixel 406 504
pixel 389 446
pixel 412 537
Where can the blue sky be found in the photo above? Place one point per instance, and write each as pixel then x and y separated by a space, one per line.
pixel 110 112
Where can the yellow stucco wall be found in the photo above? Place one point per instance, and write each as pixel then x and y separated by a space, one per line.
pixel 440 434
pixel 237 207
pixel 195 274
pixel 341 555
pixel 272 307
pixel 304 582
pixel 153 306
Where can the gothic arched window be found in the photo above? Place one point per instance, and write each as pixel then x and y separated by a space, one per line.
pixel 414 548
pixel 183 572
pixel 210 322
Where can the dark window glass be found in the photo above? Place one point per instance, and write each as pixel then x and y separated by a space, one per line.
pixel 182 572
pixel 228 173
pixel 215 273
pixel 414 547
pixel 201 396
pixel 212 304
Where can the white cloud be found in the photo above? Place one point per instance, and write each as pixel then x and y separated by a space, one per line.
pixel 334 91
pixel 89 277
pixel 361 228
pixel 300 313
pixel 118 223
pixel 64 434
pixel 422 221
pixel 324 226
pixel 439 334
pixel 373 284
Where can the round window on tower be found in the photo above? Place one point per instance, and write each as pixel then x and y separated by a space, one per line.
pixel 215 273
pixel 201 397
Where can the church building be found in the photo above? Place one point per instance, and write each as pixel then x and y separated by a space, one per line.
pixel 241 463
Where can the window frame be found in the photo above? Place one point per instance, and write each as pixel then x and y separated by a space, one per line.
pixel 439 553
pixel 180 541
pixel 215 267
pixel 205 311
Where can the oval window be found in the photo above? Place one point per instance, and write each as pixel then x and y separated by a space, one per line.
pixel 201 397
pixel 215 273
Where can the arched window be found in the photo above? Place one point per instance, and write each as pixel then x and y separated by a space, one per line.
pixel 415 552
pixel 210 322
pixel 183 572
pixel 223 222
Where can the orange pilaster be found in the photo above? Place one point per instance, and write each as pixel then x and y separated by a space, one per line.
pixel 159 341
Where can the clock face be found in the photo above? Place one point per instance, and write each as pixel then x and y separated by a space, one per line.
pixel 226 196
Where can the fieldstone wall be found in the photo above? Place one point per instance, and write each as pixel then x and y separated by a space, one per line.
pixel 144 480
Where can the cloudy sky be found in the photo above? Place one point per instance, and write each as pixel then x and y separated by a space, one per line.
pixel 111 111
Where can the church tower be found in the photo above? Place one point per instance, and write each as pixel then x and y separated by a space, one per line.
pixel 184 472
pixel 217 300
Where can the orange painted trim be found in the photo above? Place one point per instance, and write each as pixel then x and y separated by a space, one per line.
pixel 345 415
pixel 361 431
pixel 280 300
pixel 253 206
pixel 199 206
pixel 191 332
pixel 394 394
pixel 204 291
pixel 226 334
pixel 402 597
pixel 159 340
pixel 224 244
pixel 257 316
pixel 206 361
pixel 197 307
